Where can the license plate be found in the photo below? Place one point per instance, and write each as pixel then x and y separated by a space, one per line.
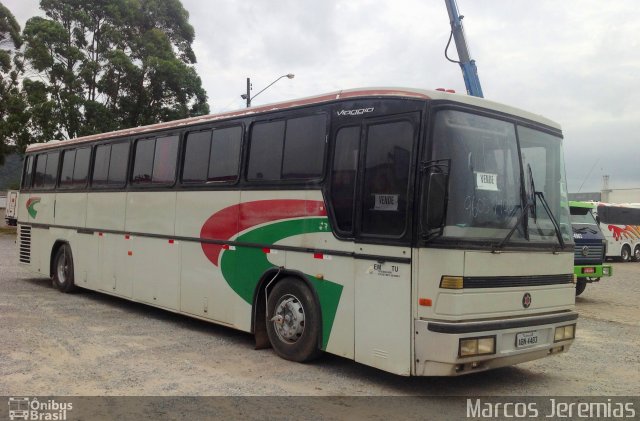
pixel 588 270
pixel 526 339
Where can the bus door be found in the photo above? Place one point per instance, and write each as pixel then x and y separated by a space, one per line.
pixel 382 251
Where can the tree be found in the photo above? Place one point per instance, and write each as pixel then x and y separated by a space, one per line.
pixel 11 103
pixel 109 64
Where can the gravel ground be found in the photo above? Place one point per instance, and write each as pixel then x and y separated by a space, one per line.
pixel 88 343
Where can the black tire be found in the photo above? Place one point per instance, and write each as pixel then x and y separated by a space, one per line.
pixel 580 286
pixel 636 254
pixel 63 277
pixel 293 321
pixel 625 254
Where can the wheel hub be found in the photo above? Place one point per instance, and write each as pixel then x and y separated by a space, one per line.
pixel 288 320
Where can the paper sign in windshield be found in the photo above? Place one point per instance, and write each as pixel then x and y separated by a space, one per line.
pixel 386 202
pixel 487 181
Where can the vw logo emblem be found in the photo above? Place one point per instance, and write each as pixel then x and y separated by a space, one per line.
pixel 526 300
pixel 585 251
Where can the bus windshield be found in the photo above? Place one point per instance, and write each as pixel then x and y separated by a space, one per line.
pixel 582 216
pixel 490 183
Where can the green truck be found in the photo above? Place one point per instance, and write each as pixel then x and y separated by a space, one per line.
pixel 591 246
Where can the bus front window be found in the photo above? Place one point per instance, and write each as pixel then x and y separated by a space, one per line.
pixel 486 191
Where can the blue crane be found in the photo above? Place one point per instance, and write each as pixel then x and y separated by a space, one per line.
pixel 468 66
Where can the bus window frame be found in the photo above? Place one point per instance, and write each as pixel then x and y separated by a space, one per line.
pixel 91 185
pixel 240 159
pixel 176 171
pixel 285 182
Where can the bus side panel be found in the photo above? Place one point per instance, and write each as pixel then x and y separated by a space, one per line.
pixel 40 208
pixel 383 310
pixel 71 209
pixel 105 211
pixel 155 262
pixel 203 289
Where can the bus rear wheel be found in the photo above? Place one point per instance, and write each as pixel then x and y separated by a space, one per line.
pixel 63 277
pixel 293 321
pixel 580 286
pixel 625 254
pixel 636 253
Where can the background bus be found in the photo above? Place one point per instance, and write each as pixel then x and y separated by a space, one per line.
pixel 419 232
pixel 620 224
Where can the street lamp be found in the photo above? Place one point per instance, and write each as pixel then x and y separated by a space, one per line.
pixel 250 98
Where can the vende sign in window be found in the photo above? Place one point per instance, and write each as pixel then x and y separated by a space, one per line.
pixel 487 181
pixel 386 202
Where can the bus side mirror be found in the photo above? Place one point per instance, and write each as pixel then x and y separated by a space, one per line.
pixel 434 194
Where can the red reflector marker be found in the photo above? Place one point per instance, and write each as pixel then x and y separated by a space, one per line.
pixel 130 253
pixel 126 237
pixel 171 241
pixel 321 256
pixel 425 302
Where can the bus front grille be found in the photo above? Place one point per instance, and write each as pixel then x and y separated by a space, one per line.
pixel 516 281
pixel 25 244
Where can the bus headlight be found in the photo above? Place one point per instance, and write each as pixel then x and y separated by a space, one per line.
pixel 605 270
pixel 470 347
pixel 564 333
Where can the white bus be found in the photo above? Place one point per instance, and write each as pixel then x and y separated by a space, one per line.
pixel 419 232
pixel 620 224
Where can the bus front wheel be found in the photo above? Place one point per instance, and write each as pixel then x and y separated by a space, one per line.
pixel 63 269
pixel 580 286
pixel 625 254
pixel 293 321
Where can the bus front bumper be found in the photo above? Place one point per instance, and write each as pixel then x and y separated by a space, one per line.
pixel 447 348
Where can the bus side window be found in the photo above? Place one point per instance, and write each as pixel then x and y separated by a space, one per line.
pixel 118 164
pixel 164 160
pixel 81 167
pixel 51 171
pixel 66 174
pixel 343 176
pixel 224 159
pixel 28 173
pixel 291 149
pixel 304 147
pixel 41 164
pixel 196 157
pixel 265 153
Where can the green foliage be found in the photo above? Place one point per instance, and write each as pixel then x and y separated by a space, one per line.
pixel 10 98
pixel 100 65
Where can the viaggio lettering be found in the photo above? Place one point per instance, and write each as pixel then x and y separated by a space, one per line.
pixel 356 112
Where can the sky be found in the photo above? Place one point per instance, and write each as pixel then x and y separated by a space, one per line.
pixel 574 61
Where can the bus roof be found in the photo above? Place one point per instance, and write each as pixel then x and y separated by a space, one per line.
pixel 318 99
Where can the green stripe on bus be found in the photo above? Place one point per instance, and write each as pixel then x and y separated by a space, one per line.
pixel 242 268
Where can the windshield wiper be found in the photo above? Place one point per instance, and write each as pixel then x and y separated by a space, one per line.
pixel 524 211
pixel 526 204
pixel 553 219
pixel 535 194
pixel 583 229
